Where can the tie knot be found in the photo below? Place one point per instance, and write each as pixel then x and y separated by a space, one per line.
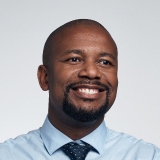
pixel 76 151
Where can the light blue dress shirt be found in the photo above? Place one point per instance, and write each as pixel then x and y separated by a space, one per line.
pixel 44 144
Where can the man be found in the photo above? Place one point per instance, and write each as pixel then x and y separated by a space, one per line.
pixel 80 71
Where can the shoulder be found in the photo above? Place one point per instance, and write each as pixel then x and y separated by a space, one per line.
pixel 128 145
pixel 19 144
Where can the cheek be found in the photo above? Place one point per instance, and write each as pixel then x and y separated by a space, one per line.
pixel 111 77
pixel 114 91
pixel 64 74
pixel 112 80
pixel 56 88
pixel 58 81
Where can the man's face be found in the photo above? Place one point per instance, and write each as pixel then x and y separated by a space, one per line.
pixel 83 73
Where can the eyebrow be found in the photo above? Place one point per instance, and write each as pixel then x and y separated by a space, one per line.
pixel 76 51
pixel 79 51
pixel 103 54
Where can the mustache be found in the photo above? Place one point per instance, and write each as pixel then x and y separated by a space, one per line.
pixel 71 85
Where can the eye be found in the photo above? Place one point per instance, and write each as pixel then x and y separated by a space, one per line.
pixel 106 62
pixel 74 59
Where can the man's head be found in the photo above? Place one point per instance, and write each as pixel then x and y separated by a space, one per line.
pixel 80 70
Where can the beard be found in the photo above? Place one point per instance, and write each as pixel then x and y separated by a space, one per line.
pixel 81 114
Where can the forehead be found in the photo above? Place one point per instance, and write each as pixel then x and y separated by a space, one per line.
pixel 87 38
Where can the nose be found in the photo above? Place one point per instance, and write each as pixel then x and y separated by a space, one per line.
pixel 90 70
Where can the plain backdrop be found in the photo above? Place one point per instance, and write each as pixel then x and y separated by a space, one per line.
pixel 134 25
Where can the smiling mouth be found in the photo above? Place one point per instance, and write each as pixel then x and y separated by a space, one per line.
pixel 87 90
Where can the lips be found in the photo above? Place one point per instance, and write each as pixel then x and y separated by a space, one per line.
pixel 88 91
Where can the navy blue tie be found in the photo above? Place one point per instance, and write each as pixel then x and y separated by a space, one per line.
pixel 76 151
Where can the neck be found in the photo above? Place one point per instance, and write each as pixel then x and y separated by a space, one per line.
pixel 72 128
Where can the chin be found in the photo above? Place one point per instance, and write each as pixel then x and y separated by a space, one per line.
pixel 85 113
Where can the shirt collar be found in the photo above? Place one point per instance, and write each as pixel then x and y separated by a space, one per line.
pixel 54 139
pixel 97 138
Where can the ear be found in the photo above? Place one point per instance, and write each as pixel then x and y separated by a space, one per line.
pixel 43 77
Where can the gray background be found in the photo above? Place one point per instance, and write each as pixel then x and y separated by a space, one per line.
pixel 134 24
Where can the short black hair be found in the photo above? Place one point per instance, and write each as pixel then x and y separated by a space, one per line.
pixel 50 40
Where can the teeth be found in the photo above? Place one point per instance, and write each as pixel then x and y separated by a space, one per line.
pixel 91 91
pixel 88 91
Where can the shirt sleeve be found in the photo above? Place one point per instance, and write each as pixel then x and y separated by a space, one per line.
pixel 4 152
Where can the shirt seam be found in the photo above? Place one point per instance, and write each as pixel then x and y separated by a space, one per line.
pixel 157 156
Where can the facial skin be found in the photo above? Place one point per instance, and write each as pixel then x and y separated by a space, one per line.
pixel 83 69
